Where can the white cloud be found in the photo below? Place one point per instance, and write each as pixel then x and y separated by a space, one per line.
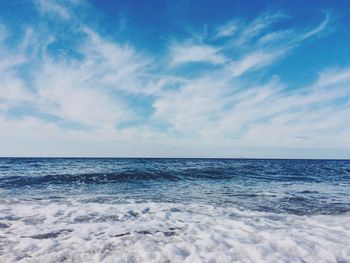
pixel 53 7
pixel 257 27
pixel 320 28
pixel 291 38
pixel 187 53
pixel 224 110
pixel 251 61
pixel 264 116
pixel 227 30
pixel 220 106
pixel 333 77
pixel 76 97
pixel 9 57
pixel 76 90
pixel 13 90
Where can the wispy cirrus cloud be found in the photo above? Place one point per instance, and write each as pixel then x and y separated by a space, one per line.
pixel 100 91
pixel 229 106
pixel 188 52
pixel 257 27
pixel 228 29
pixel 54 7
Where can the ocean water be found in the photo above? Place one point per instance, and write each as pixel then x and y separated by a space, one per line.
pixel 174 210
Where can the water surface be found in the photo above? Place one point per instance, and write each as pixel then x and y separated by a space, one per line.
pixel 173 210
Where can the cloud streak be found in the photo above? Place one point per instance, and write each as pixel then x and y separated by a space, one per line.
pixel 102 92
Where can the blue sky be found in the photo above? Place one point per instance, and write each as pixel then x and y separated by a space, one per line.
pixel 267 79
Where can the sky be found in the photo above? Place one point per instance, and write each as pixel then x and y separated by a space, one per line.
pixel 161 78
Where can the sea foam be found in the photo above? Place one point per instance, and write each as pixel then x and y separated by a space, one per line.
pixel 76 231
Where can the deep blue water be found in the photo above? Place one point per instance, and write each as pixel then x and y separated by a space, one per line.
pixel 281 186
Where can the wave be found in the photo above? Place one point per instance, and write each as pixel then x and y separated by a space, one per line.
pixel 73 231
pixel 86 178
pixel 31 172
pixel 8 181
pixel 111 177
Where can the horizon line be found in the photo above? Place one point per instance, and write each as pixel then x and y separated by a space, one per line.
pixel 140 157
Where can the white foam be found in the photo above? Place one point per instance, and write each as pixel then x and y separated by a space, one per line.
pixel 153 232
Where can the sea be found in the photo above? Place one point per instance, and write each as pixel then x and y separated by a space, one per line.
pixel 174 210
